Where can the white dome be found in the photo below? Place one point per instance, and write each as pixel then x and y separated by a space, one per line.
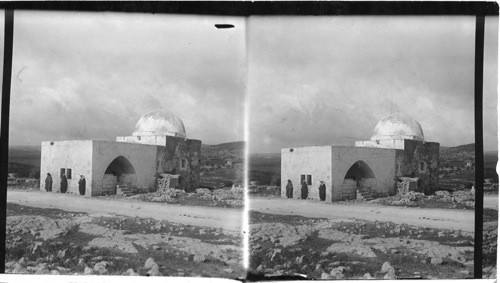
pixel 160 123
pixel 398 126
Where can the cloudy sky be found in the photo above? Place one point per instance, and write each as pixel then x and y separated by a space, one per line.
pixel 307 80
pixel 93 75
pixel 329 80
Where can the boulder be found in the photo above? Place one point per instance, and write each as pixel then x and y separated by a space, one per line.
pixel 336 273
pixel 386 267
pixel 150 262
pixel 88 271
pixel 325 276
pixel 155 271
pixel 62 253
pixel 100 268
pixel 130 272
pixel 436 260
pixel 202 191
pixel 391 274
pixel 199 258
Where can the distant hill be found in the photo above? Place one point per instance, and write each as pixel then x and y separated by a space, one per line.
pixel 27 155
pixel 221 153
pixel 458 152
pixel 269 162
pixel 459 155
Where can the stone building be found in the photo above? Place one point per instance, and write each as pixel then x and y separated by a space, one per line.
pixel 157 146
pixel 396 149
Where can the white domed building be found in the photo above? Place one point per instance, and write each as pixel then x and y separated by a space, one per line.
pixel 397 151
pixel 157 149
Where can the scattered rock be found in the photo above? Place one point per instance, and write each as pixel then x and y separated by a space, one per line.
pixel 62 253
pixel 155 271
pixel 88 271
pixel 299 260
pixel 199 258
pixel 391 274
pixel 386 267
pixel 325 276
pixel 100 268
pixel 150 262
pixel 436 260
pixel 367 276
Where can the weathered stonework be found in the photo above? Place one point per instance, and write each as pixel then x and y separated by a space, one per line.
pixel 420 160
pixel 134 162
pixel 397 149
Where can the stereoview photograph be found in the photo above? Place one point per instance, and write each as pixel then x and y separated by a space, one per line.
pixel 126 151
pixel 362 153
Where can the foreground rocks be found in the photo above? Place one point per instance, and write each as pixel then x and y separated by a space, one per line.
pixel 326 249
pixel 56 242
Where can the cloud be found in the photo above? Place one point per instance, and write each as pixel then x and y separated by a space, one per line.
pixel 93 75
pixel 329 80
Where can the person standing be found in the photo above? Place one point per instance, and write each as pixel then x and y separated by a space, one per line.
pixel 81 185
pixel 289 189
pixel 304 190
pixel 48 183
pixel 322 191
pixel 64 184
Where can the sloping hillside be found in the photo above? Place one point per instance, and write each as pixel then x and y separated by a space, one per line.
pixel 221 153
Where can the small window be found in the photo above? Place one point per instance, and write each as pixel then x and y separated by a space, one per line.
pixel 183 163
pixel 302 179
pixel 68 173
pixel 62 172
pixel 422 166
pixel 309 180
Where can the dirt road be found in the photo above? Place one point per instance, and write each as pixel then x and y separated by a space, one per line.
pixel 491 201
pixel 430 218
pixel 225 218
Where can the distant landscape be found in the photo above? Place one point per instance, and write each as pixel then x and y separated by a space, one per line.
pixel 224 161
pixel 266 166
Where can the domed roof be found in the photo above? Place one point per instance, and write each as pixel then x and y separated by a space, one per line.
pixel 159 123
pixel 398 126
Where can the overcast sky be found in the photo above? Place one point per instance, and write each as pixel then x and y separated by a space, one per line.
pixel 329 80
pixel 93 75
pixel 310 80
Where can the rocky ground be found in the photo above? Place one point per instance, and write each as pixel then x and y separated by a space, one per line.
pixel 51 241
pixel 356 249
pixel 460 199
pixel 228 197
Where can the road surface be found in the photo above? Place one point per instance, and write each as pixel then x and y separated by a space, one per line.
pixel 491 201
pixel 226 218
pixel 429 218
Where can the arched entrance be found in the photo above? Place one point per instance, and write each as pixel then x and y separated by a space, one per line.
pixel 359 178
pixel 119 172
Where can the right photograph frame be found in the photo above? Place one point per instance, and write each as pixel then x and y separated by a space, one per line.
pixel 362 158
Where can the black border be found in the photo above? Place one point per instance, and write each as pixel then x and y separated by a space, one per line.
pixel 299 8
pixel 294 8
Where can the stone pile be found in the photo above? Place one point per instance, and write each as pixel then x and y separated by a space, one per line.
pixel 406 185
pixel 167 181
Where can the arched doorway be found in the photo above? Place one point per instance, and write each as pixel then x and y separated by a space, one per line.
pixel 359 178
pixel 119 172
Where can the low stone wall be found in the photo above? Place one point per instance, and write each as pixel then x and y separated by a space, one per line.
pixel 406 184
pixel 168 181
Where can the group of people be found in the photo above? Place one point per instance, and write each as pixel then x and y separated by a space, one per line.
pixel 304 190
pixel 64 184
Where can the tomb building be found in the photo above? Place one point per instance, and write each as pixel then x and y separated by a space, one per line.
pixel 158 146
pixel 368 169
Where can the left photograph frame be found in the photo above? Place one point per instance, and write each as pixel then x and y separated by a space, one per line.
pixel 126 145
